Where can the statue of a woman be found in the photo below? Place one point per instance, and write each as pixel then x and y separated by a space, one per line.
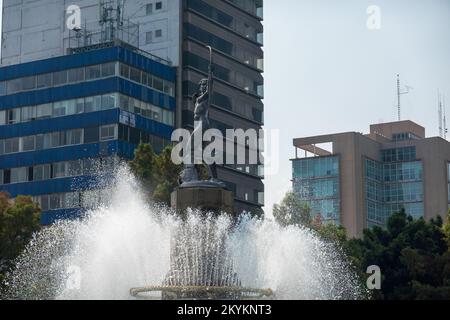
pixel 202 102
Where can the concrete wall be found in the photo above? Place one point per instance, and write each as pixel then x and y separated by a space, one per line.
pixel 36 29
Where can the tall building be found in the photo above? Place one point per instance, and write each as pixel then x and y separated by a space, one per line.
pixel 359 180
pixel 175 31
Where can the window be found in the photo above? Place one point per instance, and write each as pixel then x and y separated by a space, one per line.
pixel 158 5
pixel 28 143
pixel 158 84
pixel 2 88
pixel 28 113
pixel 135 106
pixel 135 74
pixel 55 201
pixel 6 176
pixel 19 175
pixel 169 88
pixel 60 108
pixel 44 111
pixel 14 86
pixel 59 170
pixel 2 117
pixel 91 135
pixel 74 136
pixel 149 37
pixel 109 101
pixel 76 75
pixel 149 9
pixel 44 80
pixel 124 70
pixel 79 105
pixel 168 117
pixel 55 139
pixel 123 102
pixel 42 172
pixel 93 72
pixel 29 83
pixel 107 132
pixel 108 69
pixel 59 78
pixel 93 104
pixel 158 33
pixel 13 116
pixel 74 168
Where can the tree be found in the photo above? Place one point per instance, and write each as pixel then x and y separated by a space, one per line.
pixel 412 254
pixel 292 211
pixel 157 173
pixel 19 219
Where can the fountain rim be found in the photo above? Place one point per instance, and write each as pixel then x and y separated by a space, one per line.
pixel 259 293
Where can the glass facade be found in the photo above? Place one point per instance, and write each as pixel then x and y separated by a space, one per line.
pixel 393 185
pixel 316 182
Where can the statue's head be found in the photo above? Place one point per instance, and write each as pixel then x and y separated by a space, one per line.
pixel 203 86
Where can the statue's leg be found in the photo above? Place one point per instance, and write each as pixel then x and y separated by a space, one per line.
pixel 213 171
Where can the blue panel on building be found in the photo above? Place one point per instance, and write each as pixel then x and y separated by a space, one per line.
pixel 88 58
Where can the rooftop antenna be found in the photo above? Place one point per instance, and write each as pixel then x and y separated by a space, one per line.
pixel 445 120
pixel 400 92
pixel 111 18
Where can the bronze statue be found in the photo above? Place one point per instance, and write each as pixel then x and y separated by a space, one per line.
pixel 202 100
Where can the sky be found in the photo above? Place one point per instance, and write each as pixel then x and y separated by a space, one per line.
pixel 326 72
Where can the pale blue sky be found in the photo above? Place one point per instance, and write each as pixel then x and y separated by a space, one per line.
pixel 325 71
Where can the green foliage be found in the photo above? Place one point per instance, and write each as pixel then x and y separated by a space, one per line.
pixel 412 254
pixel 157 173
pixel 19 219
pixel 292 211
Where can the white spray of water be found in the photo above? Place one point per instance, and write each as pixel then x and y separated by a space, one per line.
pixel 125 244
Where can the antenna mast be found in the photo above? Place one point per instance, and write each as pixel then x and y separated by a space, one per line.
pixel 445 121
pixel 399 94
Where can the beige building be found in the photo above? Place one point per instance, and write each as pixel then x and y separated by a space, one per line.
pixel 364 178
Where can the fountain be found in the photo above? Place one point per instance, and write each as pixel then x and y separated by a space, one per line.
pixel 126 243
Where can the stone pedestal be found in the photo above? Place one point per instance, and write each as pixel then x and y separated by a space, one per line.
pixel 209 199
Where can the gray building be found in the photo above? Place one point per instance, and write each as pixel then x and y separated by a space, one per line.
pixel 174 30
pixel 363 178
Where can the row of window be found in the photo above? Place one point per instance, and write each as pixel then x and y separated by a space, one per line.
pixel 49 171
pixel 89 199
pixel 399 154
pixel 86 105
pixel 255 7
pixel 58 78
pixel 404 136
pixel 317 189
pixel 147 79
pixel 315 168
pixel 394 172
pixel 224 19
pixel 240 80
pixel 58 139
pixel 88 73
pixel 378 213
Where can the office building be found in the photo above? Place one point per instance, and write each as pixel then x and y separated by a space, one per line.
pixel 358 180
